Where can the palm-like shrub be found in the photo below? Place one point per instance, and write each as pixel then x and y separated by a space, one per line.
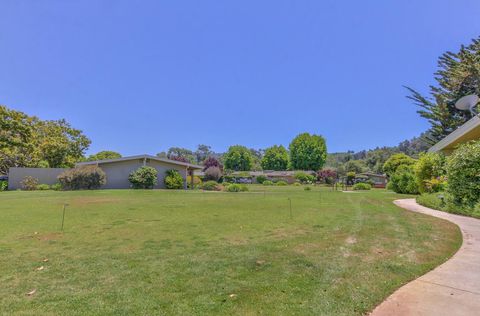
pixel 173 180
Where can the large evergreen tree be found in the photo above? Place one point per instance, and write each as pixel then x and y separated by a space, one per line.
pixel 458 75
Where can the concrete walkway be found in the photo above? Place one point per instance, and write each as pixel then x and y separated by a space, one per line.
pixel 450 289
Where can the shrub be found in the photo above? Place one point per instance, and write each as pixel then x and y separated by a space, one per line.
pixel 281 183
pixel 429 169
pixel 173 180
pixel 56 187
pixel 213 173
pixel 211 186
pixel 234 187
pixel 229 179
pixel 267 182
pixel 404 181
pixel 432 201
pixel 261 179
pixel 3 185
pixel 351 177
pixel 307 188
pixel 362 186
pixel 82 178
pixel 304 177
pixel 463 173
pixel 29 183
pixel 434 185
pixel 144 177
pixel 43 187
pixel 297 184
pixel 196 181
pixel 391 165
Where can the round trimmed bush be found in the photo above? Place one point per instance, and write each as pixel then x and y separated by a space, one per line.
pixel 173 180
pixel 213 173
pixel 144 177
pixel 267 182
pixel 362 186
pixel 281 183
pixel 210 186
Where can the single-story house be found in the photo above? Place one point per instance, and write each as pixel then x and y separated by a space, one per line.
pixel 379 180
pixel 467 132
pixel 116 170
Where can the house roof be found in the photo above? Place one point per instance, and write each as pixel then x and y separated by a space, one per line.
pixel 173 162
pixel 468 131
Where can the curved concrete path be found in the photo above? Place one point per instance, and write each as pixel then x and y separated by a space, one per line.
pixel 452 288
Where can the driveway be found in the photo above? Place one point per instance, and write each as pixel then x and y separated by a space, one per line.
pixel 452 288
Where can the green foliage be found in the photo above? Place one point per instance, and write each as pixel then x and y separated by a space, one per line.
pixel 261 178
pixel 43 187
pixel 82 178
pixel 395 161
pixel 29 183
pixel 173 180
pixel 457 76
pixel 197 182
pixel 463 173
pixel 434 201
pixel 403 180
pixel 275 158
pixel 27 141
pixel 281 183
pixel 177 153
pixel 362 186
pixel 296 184
pixel 238 158
pixel 104 155
pixel 3 185
pixel 356 166
pixel 211 186
pixel 145 177
pixel 308 152
pixel 56 187
pixel 267 182
pixel 235 187
pixel 305 177
pixel 213 173
pixel 350 177
pixel 428 170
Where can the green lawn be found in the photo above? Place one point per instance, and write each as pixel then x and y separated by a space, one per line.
pixel 176 252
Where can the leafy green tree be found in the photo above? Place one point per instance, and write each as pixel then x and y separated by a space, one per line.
pixel 103 155
pixel 202 153
pixel 458 75
pixel 357 166
pixel 238 158
pixel 308 152
pixel 174 152
pixel 275 158
pixel 27 141
pixel 395 161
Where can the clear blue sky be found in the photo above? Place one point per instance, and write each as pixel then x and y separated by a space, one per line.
pixel 141 76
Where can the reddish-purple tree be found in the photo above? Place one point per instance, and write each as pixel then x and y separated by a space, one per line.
pixel 179 158
pixel 212 162
pixel 327 176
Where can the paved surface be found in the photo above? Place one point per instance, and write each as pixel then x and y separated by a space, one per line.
pixel 450 289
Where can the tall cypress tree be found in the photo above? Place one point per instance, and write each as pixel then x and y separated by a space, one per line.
pixel 458 75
